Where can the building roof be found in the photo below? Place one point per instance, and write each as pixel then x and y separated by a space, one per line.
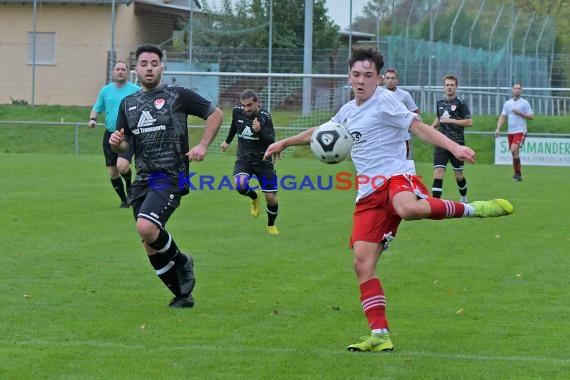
pixel 67 2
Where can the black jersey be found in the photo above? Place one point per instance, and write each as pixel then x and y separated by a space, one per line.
pixel 251 145
pixel 158 120
pixel 455 109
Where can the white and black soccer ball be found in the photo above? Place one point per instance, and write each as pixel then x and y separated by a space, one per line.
pixel 331 142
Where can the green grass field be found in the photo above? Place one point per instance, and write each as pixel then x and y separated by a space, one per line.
pixel 469 299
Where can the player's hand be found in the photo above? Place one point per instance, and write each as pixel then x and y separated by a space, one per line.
pixel 256 125
pixel 198 153
pixel 445 120
pixel 464 153
pixel 92 123
pixel 224 146
pixel 116 138
pixel 273 151
pixel 497 133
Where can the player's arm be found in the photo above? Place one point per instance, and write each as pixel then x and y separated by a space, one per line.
pixel 500 123
pixel 303 138
pixel 117 139
pixel 97 107
pixel 435 123
pixel 213 123
pixel 434 137
pixel 267 132
pixel 459 122
pixel 231 134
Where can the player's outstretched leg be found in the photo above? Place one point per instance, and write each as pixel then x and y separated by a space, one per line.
pixel 492 208
pixel 373 343
pixel 185 269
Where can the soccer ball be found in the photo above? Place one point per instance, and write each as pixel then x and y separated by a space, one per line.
pixel 331 142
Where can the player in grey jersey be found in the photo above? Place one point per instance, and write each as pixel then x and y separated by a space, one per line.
pixel 156 118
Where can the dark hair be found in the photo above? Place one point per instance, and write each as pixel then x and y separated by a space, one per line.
pixel 363 53
pixel 451 77
pixel 149 49
pixel 517 82
pixel 390 70
pixel 248 93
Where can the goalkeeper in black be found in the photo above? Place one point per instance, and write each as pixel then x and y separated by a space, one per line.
pixel 156 118
pixel 254 128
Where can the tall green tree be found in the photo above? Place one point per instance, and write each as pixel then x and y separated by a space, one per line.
pixel 245 23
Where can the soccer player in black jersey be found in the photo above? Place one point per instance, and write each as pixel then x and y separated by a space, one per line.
pixel 255 132
pixel 452 117
pixel 156 118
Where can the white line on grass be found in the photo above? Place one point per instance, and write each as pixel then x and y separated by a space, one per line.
pixel 437 355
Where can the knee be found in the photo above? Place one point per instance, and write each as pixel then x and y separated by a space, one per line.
pixel 408 210
pixel 147 230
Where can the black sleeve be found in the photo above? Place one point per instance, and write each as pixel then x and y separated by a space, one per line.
pixel 267 130
pixel 195 104
pixel 233 128
pixel 122 122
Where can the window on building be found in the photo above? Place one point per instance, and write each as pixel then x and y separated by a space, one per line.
pixel 45 48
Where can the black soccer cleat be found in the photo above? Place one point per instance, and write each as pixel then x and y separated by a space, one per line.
pixel 180 302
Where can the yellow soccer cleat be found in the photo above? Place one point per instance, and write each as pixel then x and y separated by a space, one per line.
pixel 272 230
pixel 493 208
pixel 254 210
pixel 373 343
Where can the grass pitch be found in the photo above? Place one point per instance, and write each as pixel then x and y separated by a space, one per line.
pixel 471 299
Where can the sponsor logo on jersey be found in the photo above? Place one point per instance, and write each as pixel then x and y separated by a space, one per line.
pixel 247 134
pixel 146 120
pixel 159 103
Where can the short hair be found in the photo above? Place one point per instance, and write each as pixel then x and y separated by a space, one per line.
pixel 149 49
pixel 451 77
pixel 517 82
pixel 391 70
pixel 121 61
pixel 248 93
pixel 363 53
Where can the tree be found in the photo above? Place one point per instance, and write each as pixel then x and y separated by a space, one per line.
pixel 245 23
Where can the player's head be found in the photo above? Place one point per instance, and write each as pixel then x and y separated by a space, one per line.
pixel 450 83
pixel 149 66
pixel 391 79
pixel 120 72
pixel 517 90
pixel 250 102
pixel 365 64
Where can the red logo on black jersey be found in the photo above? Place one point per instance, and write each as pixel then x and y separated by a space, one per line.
pixel 159 103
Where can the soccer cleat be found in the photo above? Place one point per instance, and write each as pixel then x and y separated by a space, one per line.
pixel 124 205
pixel 186 276
pixel 373 343
pixel 272 230
pixel 180 302
pixel 517 177
pixel 492 208
pixel 254 210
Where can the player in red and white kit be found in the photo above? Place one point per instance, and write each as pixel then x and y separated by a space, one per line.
pixel 379 124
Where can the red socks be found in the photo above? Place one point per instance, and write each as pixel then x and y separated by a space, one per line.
pixel 443 209
pixel 374 304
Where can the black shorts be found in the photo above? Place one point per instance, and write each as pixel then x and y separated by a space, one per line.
pixel 110 156
pixel 264 172
pixel 441 157
pixel 153 205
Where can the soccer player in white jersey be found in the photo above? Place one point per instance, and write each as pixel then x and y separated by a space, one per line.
pixel 379 124
pixel 391 79
pixel 517 110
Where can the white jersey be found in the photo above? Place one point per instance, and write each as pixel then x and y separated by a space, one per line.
pixel 406 98
pixel 517 124
pixel 379 128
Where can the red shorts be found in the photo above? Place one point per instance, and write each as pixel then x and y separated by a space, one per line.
pixel 516 138
pixel 374 218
